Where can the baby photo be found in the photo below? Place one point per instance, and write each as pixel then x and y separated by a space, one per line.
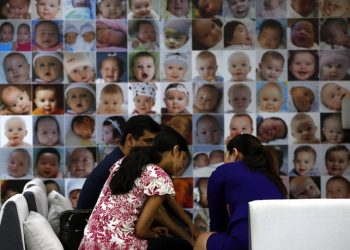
pixel 271 8
pixel 112 98
pixel 111 35
pixel 236 124
pixel 143 35
pixel 149 10
pixel 240 97
pixel 336 160
pixel 332 95
pixel 270 33
pixel 271 96
pixel 48 67
pixel 304 160
pixel 79 67
pixel 334 65
pixel 204 9
pixel 143 66
pixel 205 159
pixel 172 9
pixel 239 8
pixel 80 130
pixel 302 34
pixel 302 65
pixel 16 163
pixel 206 67
pixel 239 65
pixel 73 189
pixel 176 35
pixel 303 97
pixel 207 98
pixel 334 33
pixel 208 129
pixel 304 187
pixel 174 67
pixel 144 98
pixel 80 161
pixel 111 67
pixel 302 9
pixel 239 34
pixel 332 129
pixel 48 99
pixel 272 129
pixel 49 162
pixel 15 99
pixel 47 9
pixel 109 130
pixel 182 123
pixel 15 36
pixel 79 36
pixel 78 10
pixel 47 35
pixel 48 131
pixel 272 65
pixel 16 131
pixel 335 187
pixel 111 9
pixel 80 98
pixel 304 128
pixel 15 67
pixel 334 8
pixel 207 34
pixel 177 98
pixel 12 9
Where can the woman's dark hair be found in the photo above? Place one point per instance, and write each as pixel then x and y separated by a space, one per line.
pixel 257 157
pixel 133 164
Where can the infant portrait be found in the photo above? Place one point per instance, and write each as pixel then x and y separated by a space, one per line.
pixel 16 131
pixel 302 97
pixel 239 97
pixel 18 164
pixel 15 99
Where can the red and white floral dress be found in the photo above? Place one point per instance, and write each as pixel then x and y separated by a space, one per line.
pixel 112 222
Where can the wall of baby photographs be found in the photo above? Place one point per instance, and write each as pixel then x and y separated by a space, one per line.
pixel 73 73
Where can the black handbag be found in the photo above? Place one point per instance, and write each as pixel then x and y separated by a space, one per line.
pixel 72 224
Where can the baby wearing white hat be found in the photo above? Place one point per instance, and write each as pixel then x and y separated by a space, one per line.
pixel 79 67
pixel 48 67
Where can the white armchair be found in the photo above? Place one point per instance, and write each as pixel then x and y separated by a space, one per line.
pixel 305 224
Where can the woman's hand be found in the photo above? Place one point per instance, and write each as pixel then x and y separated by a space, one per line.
pixel 159 231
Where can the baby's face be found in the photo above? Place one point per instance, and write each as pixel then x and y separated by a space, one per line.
pixel 15 131
pixel 110 36
pixel 82 74
pixel 175 101
pixel 111 103
pixel 337 162
pixel 83 133
pixel 208 132
pixel 81 3
pixel 6 33
pixel 270 99
pixel 16 69
pixel 181 125
pixel 48 68
pixel 335 8
pixel 46 35
pixel 302 34
pixel 110 70
pixel 111 9
pixel 18 164
pixel 304 130
pixel 207 32
pixel 174 72
pixel 272 4
pixel 141 8
pixel 74 197
pixel 303 65
pixel 241 36
pixel 47 9
pixel 332 95
pixel 239 67
pixel 302 98
pixel 304 188
pixel 90 36
pixel 304 162
pixel 271 69
pixel 269 38
pixel 107 134
pixel 174 39
pixel 239 125
pixel 210 8
pixel 48 165
pixel 146 33
pixel 304 7
pixel 270 130
pixel 47 132
pixel 337 189
pixel 17 101
pixel 143 104
pixel 206 99
pixel 45 100
pixel 239 8
pixel 23 34
pixel 206 68
pixel 70 37
pixel 19 7
pixel 201 161
pixel 216 157
pixel 333 130
pixel 240 99
pixel 144 69
pixel 333 71
pixel 81 163
pixel 178 8
pixel 79 100
pixel 337 36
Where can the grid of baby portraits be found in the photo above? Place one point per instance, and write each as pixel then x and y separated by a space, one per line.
pixel 73 71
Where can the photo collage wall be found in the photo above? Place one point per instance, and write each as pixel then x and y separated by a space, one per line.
pixel 74 71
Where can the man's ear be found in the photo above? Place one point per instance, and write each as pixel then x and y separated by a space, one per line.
pixel 176 151
pixel 129 141
pixel 235 154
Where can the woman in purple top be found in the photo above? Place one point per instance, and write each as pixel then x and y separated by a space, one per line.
pixel 250 172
